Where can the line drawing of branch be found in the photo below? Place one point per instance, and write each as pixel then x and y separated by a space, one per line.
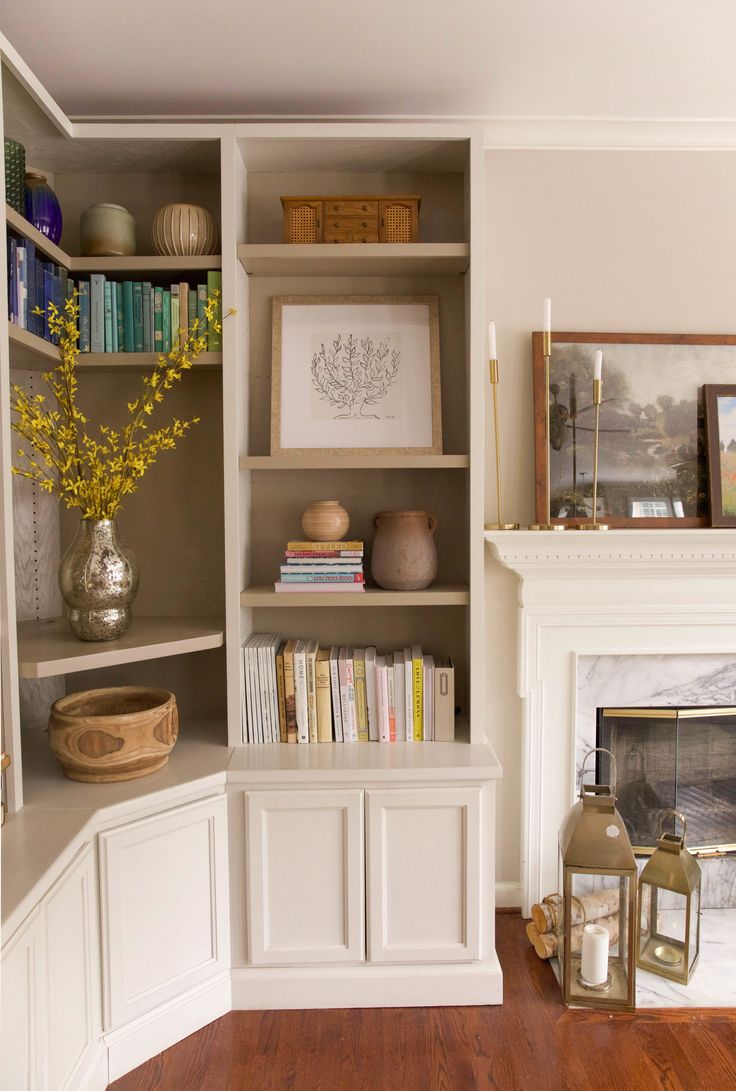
pixel 353 373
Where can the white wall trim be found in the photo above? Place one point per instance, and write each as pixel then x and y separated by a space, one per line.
pixel 610 133
pixel 508 895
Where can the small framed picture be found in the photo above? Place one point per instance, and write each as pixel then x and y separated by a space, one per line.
pixel 356 375
pixel 720 429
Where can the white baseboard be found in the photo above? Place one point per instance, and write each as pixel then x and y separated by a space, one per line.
pixel 508 895
pixel 97 1076
pixel 367 986
pixel 137 1041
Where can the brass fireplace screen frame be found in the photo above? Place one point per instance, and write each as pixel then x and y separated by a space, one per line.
pixel 672 713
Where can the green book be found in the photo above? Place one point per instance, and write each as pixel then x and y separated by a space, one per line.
pixel 121 323
pixel 137 316
pixel 166 348
pixel 128 335
pixel 175 314
pixel 147 331
pixel 158 320
pixel 192 308
pixel 201 300
pixel 214 283
pixel 109 344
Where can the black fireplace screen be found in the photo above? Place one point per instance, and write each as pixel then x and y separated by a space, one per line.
pixel 683 758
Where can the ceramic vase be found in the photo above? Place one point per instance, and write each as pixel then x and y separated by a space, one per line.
pixel 325 521
pixel 185 230
pixel 98 577
pixel 106 230
pixel 42 207
pixel 404 555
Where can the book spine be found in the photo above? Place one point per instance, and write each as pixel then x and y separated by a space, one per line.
pixel 391 700
pixel 12 283
pixel 83 315
pixel 166 322
pixel 40 320
pixel 137 316
pixel 300 691
pixel 312 695
pixel 444 701
pixel 384 726
pixel 192 315
pixel 114 316
pixel 335 688
pixel 120 315
pixel 294 548
pixel 48 297
pixel 147 331
pixel 158 320
pixel 21 259
pixel 201 317
pixel 352 710
pixel 294 556
pixel 108 316
pixel 97 313
pixel 399 703
pixel 183 311
pixel 214 337
pixel 324 704
pixel 289 693
pixel 361 704
pixel 59 280
pixel 408 695
pixel 281 693
pixel 370 693
pixel 31 286
pixel 128 332
pixel 174 315
pixel 418 706
pixel 322 577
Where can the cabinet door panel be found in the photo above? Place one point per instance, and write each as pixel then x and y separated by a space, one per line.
pixel 305 876
pixel 22 1044
pixel 423 874
pixel 72 971
pixel 165 915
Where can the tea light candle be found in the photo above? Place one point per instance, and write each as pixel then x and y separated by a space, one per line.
pixel 492 341
pixel 547 326
pixel 594 958
pixel 598 365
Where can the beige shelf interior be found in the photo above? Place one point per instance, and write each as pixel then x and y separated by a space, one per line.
pixel 340 461
pixel 449 594
pixel 356 259
pixel 47 648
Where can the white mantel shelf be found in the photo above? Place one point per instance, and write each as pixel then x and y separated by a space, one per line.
pixel 616 554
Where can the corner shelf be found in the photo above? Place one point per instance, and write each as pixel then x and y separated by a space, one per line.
pixel 440 594
pixel 355 259
pixel 28 352
pixel 48 648
pixel 354 462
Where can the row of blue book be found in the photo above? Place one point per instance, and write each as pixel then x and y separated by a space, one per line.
pixel 33 282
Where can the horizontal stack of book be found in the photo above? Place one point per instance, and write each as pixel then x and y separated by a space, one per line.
pixel 33 282
pixel 293 691
pixel 322 566
pixel 136 316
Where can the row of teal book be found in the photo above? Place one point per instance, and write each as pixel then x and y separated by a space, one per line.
pixel 136 316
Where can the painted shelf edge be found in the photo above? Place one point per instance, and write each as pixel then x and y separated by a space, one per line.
pixel 354 462
pixel 23 227
pixel 366 259
pixel 449 594
pixel 47 648
pixel 28 352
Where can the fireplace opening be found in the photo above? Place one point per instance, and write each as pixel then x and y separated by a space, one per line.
pixel 681 758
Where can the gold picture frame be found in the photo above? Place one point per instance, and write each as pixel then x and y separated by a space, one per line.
pixel 360 372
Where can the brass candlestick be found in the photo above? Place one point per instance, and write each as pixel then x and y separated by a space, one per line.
pixel 597 398
pixel 500 525
pixel 547 525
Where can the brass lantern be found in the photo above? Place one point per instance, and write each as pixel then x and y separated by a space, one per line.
pixel 668 941
pixel 597 927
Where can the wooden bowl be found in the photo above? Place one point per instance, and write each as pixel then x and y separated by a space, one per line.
pixel 120 733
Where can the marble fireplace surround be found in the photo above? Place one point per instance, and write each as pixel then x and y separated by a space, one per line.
pixel 622 593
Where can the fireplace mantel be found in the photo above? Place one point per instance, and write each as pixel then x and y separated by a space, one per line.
pixel 621 592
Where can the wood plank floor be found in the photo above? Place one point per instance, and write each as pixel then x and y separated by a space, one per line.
pixel 530 1043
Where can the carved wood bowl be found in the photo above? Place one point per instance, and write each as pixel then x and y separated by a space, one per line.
pixel 120 733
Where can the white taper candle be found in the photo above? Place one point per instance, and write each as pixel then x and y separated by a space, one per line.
pixel 594 957
pixel 492 341
pixel 547 327
pixel 598 365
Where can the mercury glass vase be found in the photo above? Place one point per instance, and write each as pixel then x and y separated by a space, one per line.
pixel 98 577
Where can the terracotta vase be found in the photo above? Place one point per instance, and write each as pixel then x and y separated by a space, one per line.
pixel 325 521
pixel 404 556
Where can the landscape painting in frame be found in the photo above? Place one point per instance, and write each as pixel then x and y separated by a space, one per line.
pixel 652 465
pixel 356 374
pixel 720 420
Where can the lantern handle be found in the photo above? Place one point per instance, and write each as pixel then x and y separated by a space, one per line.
pixel 614 770
pixel 675 814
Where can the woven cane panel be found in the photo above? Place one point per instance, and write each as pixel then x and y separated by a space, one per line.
pixel 397 224
pixel 303 224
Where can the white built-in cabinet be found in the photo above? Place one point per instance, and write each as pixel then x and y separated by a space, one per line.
pixel 243 876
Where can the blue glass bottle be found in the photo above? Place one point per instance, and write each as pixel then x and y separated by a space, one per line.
pixel 42 207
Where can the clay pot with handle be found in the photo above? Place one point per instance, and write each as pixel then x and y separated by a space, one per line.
pixel 404 556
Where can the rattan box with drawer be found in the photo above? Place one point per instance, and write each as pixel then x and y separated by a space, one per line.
pixel 340 219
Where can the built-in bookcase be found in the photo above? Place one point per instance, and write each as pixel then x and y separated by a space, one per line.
pixel 271 161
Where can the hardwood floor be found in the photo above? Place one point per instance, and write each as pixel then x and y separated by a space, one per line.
pixel 530 1043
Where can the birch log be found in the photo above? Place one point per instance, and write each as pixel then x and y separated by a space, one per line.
pixel 545 943
pixel 590 907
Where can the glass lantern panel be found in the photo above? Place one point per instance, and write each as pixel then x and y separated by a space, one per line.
pixel 694 937
pixel 664 916
pixel 596 967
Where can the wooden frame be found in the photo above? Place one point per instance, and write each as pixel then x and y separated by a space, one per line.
pixel 722 509
pixel 389 343
pixel 656 437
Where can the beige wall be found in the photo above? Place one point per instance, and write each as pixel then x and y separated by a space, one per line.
pixel 622 242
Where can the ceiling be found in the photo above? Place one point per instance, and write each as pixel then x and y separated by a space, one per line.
pixel 470 58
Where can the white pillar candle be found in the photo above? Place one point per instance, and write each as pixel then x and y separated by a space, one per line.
pixel 594 958
pixel 547 327
pixel 492 341
pixel 598 365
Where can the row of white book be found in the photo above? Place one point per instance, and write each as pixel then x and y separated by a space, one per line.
pixel 293 691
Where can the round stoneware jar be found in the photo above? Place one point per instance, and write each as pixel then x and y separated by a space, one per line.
pixel 404 556
pixel 325 521
pixel 184 230
pixel 107 231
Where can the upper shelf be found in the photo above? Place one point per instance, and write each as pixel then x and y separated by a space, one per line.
pixel 354 259
pixel 439 594
pixel 48 648
pixel 143 264
pixel 31 353
pixel 354 462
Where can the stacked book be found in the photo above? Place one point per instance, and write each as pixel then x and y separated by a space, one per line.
pixel 293 691
pixel 322 566
pixel 33 282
